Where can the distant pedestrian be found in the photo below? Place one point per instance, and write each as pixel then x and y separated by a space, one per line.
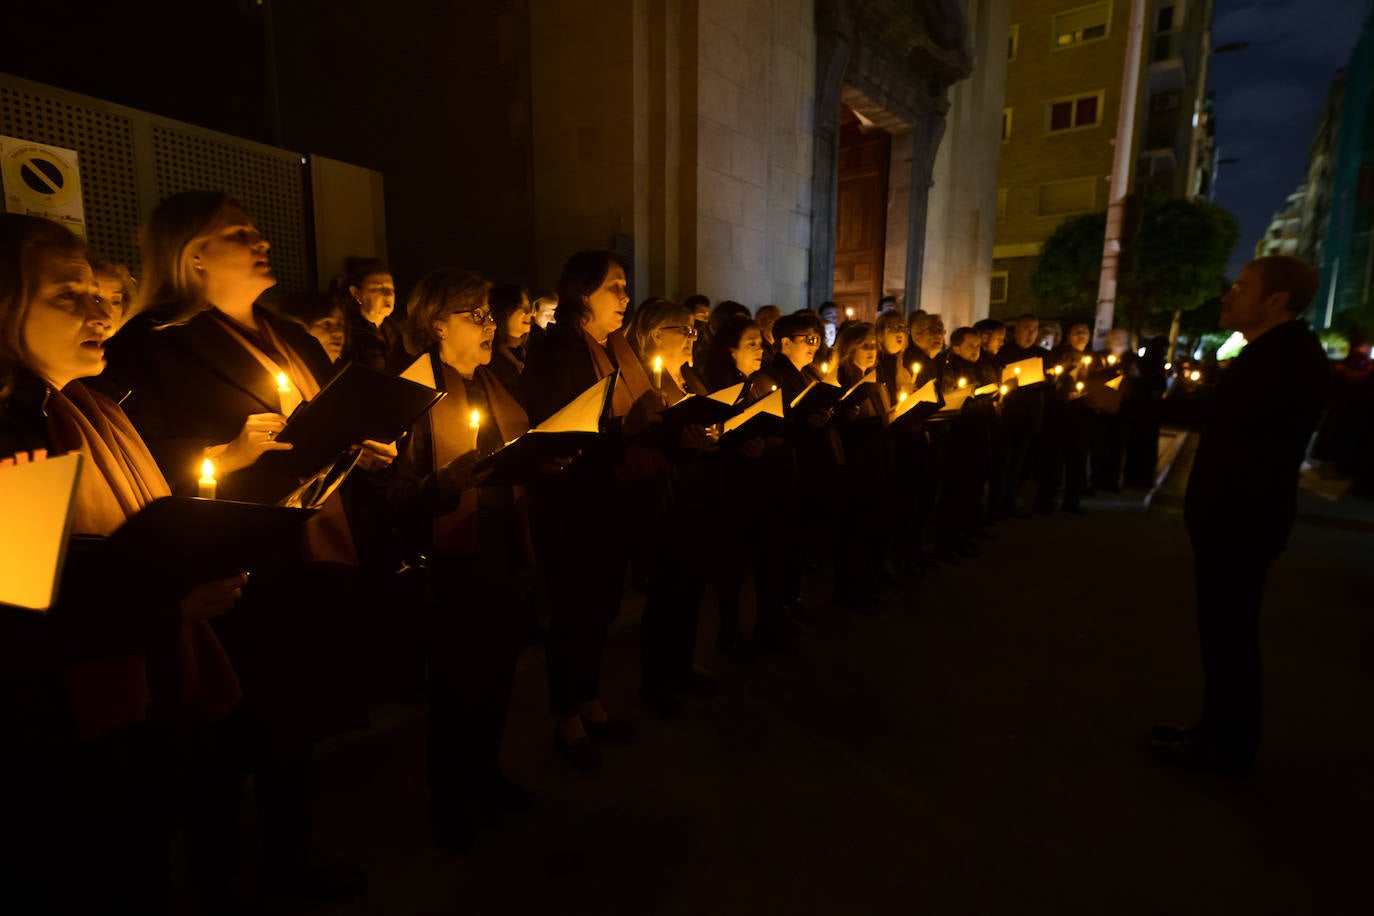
pixel 1241 502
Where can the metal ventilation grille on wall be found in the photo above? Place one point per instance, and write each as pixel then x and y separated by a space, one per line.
pixel 130 159
pixel 104 144
pixel 268 184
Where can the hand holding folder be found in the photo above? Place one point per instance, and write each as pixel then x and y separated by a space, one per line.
pixel 358 404
pixel 921 403
pixel 1024 372
pixel 714 408
pixel 761 420
pixel 561 436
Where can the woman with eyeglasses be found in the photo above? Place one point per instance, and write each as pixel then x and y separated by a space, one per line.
pixel 95 689
pixel 514 316
pixel 671 504
pixel 862 536
pixel 743 472
pixel 213 377
pixel 576 516
pixel 475 546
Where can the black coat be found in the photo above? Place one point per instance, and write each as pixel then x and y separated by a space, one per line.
pixel 381 348
pixel 193 385
pixel 90 620
pixel 1244 480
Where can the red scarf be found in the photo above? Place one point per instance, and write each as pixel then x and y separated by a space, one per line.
pixel 451 435
pixel 121 479
pixel 617 354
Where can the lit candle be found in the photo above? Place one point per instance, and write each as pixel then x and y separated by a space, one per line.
pixel 283 384
pixel 1058 370
pixel 825 369
pixel 658 372
pixel 475 421
pixel 901 396
pixel 1168 367
pixel 1196 376
pixel 774 388
pixel 1003 389
pixel 1080 387
pixel 849 313
pixel 1087 360
pixel 1015 370
pixel 962 381
pixel 1111 360
pixel 207 480
pixel 915 372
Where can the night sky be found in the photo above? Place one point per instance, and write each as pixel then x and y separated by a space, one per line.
pixel 1269 96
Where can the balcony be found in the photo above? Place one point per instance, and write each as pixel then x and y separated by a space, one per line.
pixel 1165 72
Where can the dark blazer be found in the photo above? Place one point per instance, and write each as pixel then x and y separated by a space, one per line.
pixel 381 348
pixel 1023 410
pixel 1244 481
pixel 90 620
pixel 506 371
pixel 193 385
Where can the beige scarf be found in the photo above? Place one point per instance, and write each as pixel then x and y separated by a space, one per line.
pixel 123 478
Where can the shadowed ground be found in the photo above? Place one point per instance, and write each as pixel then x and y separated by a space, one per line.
pixel 974 749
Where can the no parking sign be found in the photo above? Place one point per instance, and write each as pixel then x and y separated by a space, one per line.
pixel 42 180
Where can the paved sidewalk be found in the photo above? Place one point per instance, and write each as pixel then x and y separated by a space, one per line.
pixel 977 749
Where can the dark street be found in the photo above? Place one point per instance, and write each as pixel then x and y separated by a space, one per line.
pixel 978 749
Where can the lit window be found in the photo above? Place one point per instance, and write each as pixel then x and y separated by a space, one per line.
pixel 1077 195
pixel 1006 124
pixel 1080 26
pixel 997 289
pixel 1081 111
pixel 1013 41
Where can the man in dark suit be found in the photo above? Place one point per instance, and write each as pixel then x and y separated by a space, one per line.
pixel 1023 414
pixel 1241 502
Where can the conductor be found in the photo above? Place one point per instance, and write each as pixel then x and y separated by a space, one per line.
pixel 1241 502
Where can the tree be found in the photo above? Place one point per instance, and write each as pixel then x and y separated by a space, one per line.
pixel 1174 261
pixel 1070 265
pixel 1178 259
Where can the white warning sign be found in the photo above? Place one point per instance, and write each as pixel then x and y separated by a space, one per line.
pixel 42 180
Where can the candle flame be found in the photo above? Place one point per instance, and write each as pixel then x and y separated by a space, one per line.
pixel 1196 376
pixel 1058 370
pixel 475 420
pixel 658 364
pixel 901 397
pixel 915 368
pixel 1080 386
pixel 774 388
pixel 1111 360
pixel 825 367
pixel 283 384
pixel 962 381
pixel 1004 389
pixel 207 471
pixel 849 313
pixel 1087 360
pixel 1016 370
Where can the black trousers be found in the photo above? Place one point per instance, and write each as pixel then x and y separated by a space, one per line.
pixel 473 630
pixel 1229 580
pixel 583 555
pixel 1064 456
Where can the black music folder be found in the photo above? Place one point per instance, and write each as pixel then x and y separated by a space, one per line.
pixel 358 403
pixel 570 430
pixel 714 408
pixel 816 396
pixel 761 420
pixel 186 540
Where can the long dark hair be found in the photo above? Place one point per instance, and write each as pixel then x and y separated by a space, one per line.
pixel 505 299
pixel 720 365
pixel 582 275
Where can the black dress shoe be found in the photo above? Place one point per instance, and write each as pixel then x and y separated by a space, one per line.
pixel 312 874
pixel 1199 754
pixel 696 684
pixel 455 831
pixel 736 648
pixel 500 797
pixel 579 753
pixel 618 731
pixel 664 703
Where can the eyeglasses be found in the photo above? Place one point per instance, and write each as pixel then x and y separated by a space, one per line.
pixel 810 339
pixel 685 330
pixel 479 317
pixel 868 346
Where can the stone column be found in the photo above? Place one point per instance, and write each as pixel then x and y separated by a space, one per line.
pixel 834 42
pixel 925 143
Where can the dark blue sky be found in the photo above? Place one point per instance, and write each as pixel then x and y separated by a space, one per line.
pixel 1268 97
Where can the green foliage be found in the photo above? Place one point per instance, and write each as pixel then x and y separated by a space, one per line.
pixel 1176 261
pixel 1179 256
pixel 1071 265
